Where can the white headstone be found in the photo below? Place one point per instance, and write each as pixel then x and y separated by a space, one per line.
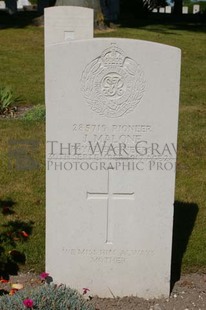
pixel 168 9
pixel 22 3
pixel 161 10
pixel 185 10
pixel 2 5
pixel 155 10
pixel 196 8
pixel 63 23
pixel 19 5
pixel 112 114
pixel 26 3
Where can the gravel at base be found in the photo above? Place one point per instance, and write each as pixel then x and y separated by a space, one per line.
pixel 188 294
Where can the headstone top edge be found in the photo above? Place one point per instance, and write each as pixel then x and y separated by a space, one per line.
pixel 116 40
pixel 68 8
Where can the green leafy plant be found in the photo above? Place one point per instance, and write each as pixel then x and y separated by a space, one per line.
pixel 8 101
pixel 45 297
pixel 37 113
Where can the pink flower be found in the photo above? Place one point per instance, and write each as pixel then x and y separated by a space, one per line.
pixel 28 303
pixel 44 275
pixel 85 290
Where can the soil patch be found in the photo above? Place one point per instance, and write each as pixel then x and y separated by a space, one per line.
pixel 189 293
pixel 16 112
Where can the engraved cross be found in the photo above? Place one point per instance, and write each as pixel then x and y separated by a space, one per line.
pixel 109 196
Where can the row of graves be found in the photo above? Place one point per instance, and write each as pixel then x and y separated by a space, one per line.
pixel 196 9
pixel 13 6
pixel 111 10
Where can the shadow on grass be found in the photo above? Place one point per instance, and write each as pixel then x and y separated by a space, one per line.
pixel 19 20
pixel 6 207
pixel 12 232
pixel 184 219
pixel 161 23
pixel 167 24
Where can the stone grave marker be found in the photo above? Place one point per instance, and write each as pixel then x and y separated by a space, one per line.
pixel 168 9
pixel 64 23
pixel 2 5
pixel 196 8
pixel 185 10
pixel 155 10
pixel 25 3
pixel 161 10
pixel 112 115
pixel 19 5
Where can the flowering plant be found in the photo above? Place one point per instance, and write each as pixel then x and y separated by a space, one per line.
pixel 85 290
pixel 44 275
pixel 28 303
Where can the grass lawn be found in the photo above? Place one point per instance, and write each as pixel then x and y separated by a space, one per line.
pixel 24 188
pixel 22 62
pixel 21 59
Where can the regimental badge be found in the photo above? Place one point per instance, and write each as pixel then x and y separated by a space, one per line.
pixel 113 84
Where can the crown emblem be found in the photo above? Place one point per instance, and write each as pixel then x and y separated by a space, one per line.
pixel 113 56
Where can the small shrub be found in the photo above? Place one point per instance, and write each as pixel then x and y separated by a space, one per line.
pixel 8 101
pixel 46 297
pixel 37 113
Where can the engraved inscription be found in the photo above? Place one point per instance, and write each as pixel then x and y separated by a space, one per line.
pixel 117 129
pixel 117 260
pixel 108 196
pixel 108 252
pixel 109 256
pixel 113 84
